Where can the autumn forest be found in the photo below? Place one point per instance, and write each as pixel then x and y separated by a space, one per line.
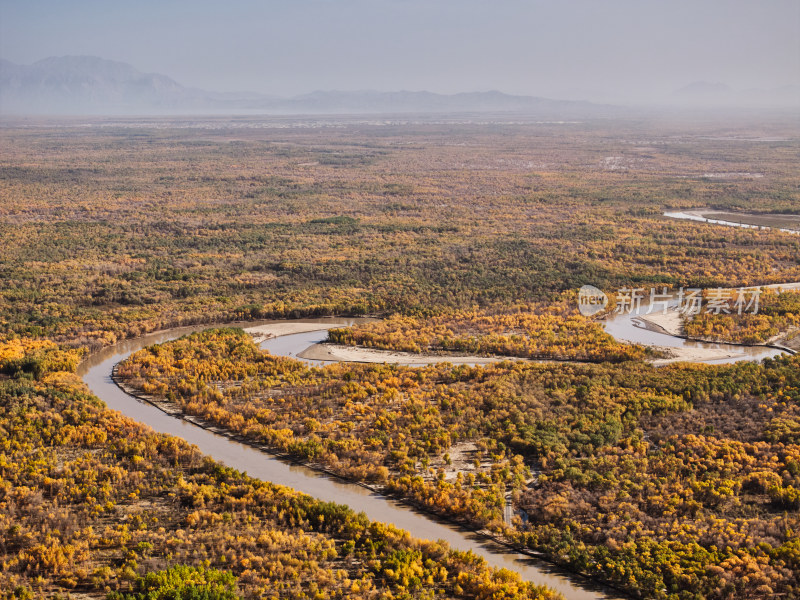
pixel 457 238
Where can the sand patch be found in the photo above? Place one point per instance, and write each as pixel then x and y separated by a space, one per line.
pixel 670 322
pixel 261 333
pixel 694 355
pixel 337 353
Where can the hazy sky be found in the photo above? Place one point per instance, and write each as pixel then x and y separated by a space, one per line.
pixel 597 49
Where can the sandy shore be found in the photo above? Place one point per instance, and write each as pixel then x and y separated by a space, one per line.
pixel 694 355
pixel 271 330
pixel 669 322
pixel 335 352
pixel 356 354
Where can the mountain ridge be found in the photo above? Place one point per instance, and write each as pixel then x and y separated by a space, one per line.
pixel 93 85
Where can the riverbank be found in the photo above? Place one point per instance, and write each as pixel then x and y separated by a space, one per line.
pixel 327 352
pixel 268 331
pixel 358 354
pixel 693 355
pixel 671 323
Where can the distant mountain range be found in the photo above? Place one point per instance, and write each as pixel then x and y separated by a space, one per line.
pixel 88 85
pixel 91 85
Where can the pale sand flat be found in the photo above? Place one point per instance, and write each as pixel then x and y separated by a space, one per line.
pixel 694 355
pixel 337 353
pixel 669 321
pixel 272 330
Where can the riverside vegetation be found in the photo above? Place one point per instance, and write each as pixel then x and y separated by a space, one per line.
pixel 672 483
pixel 90 501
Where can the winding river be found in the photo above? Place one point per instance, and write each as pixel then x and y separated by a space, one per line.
pixel 96 372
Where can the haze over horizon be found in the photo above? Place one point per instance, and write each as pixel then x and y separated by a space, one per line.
pixel 616 51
